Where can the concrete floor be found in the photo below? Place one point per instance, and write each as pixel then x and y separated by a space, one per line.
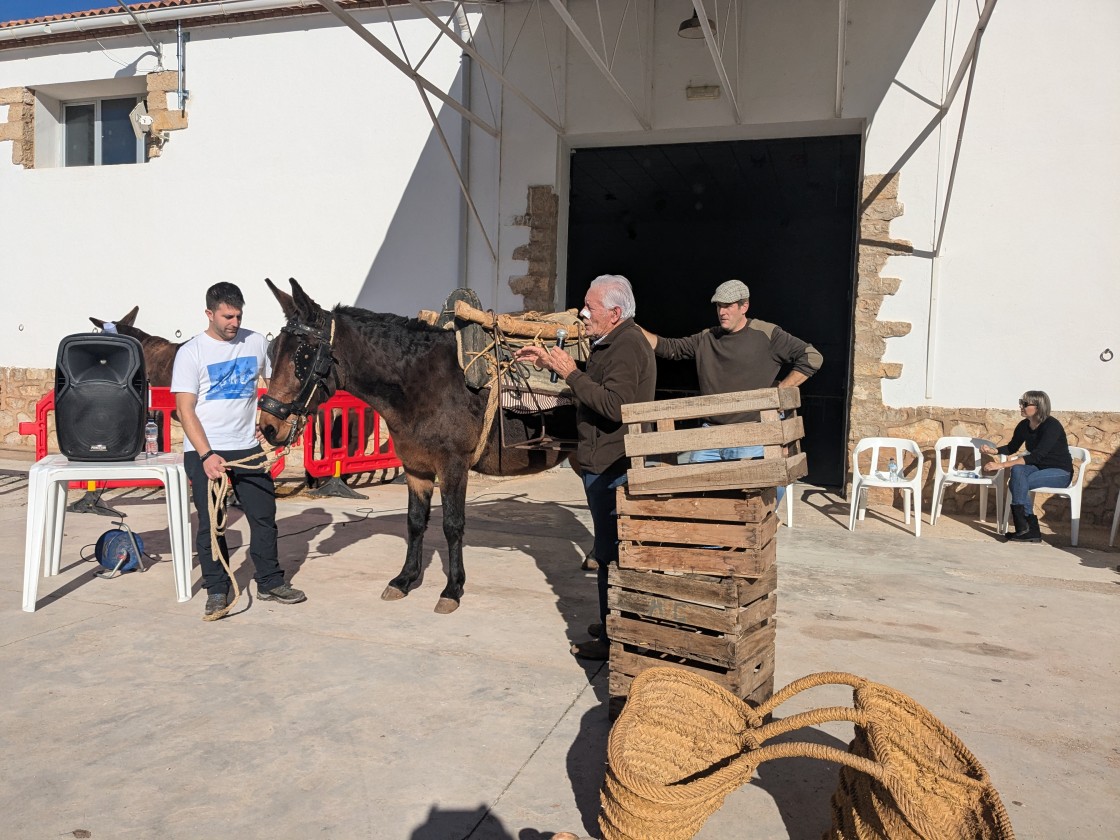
pixel 123 715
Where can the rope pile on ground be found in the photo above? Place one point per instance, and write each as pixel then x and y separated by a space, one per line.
pixel 683 743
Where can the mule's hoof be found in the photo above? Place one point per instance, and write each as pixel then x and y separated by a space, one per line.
pixel 446 605
pixel 391 593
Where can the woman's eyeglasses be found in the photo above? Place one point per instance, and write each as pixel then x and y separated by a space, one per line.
pixel 1024 403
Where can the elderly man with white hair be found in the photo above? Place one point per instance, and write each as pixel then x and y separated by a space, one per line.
pixel 621 369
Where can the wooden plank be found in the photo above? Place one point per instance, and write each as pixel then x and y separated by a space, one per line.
pixel 660 608
pixel 715 650
pixel 625 665
pixel 691 408
pixel 741 684
pixel 751 590
pixel 774 432
pixel 722 592
pixel 730 506
pixel 756 644
pixel 689 532
pixel 755 613
pixel 748 563
pixel 721 475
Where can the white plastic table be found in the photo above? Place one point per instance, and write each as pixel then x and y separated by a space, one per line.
pixel 46 512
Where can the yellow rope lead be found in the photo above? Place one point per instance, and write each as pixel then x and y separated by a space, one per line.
pixel 217 504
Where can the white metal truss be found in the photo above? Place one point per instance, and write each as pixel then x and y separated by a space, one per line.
pixel 717 58
pixel 598 60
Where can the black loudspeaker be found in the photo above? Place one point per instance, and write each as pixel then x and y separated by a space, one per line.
pixel 100 397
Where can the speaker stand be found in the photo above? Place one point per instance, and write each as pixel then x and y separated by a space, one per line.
pixel 91 503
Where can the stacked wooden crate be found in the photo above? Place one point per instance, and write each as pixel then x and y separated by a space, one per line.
pixel 696 581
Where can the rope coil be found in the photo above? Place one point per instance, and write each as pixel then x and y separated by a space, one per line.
pixel 217 509
pixel 683 743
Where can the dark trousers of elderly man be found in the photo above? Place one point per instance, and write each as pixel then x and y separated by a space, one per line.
pixel 601 503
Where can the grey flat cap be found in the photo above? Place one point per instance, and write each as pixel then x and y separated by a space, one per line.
pixel 732 291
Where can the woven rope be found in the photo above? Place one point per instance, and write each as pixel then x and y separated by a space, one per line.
pixel 682 743
pixel 217 508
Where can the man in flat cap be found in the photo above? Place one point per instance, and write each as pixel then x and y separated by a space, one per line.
pixel 741 354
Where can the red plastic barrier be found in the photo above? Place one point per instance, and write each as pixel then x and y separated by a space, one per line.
pixel 360 431
pixel 161 399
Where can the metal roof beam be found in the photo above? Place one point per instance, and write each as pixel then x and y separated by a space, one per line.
pixel 473 53
pixel 573 27
pixel 713 48
pixel 404 67
pixel 969 52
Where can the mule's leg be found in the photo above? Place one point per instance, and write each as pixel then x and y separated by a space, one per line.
pixel 453 493
pixel 419 509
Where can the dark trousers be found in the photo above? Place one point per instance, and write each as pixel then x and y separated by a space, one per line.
pixel 601 503
pixel 257 494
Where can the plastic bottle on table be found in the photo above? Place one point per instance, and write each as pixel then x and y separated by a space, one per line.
pixel 151 439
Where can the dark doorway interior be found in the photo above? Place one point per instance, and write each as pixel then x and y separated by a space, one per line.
pixel 677 220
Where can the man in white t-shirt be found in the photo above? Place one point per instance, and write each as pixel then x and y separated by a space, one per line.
pixel 215 387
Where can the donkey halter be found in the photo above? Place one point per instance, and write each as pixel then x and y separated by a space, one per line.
pixel 313 363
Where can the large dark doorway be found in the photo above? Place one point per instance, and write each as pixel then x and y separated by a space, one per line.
pixel 677 220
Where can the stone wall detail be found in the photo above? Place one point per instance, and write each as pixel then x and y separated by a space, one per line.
pixel 1099 432
pixel 163 120
pixel 537 285
pixel 19 127
pixel 20 390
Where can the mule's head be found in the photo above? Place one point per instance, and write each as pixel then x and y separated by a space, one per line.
pixel 303 369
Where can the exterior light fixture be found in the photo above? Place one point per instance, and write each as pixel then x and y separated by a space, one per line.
pixel 692 28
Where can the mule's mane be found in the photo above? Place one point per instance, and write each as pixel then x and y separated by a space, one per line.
pixel 374 323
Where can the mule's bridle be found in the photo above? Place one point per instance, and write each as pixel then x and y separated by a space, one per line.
pixel 313 363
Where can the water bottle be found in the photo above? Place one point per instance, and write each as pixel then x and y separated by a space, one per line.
pixel 892 468
pixel 151 439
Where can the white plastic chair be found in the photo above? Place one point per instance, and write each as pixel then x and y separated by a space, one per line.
pixel 1115 522
pixel 1073 492
pixel 879 477
pixel 946 472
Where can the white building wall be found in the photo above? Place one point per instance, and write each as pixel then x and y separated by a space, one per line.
pixel 1025 297
pixel 306 156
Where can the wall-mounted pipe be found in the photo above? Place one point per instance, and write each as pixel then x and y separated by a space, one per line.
pixel 181 91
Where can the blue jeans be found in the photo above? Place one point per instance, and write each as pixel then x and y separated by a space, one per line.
pixel 732 453
pixel 600 489
pixel 1025 478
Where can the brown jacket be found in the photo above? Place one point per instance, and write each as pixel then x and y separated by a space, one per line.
pixel 621 369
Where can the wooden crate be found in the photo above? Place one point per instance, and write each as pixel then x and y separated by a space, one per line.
pixel 654 453
pixel 721 627
pixel 718 533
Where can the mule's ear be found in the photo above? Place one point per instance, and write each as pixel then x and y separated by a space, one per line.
pixel 307 307
pixel 129 319
pixel 286 303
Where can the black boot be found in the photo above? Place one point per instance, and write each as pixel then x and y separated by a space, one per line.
pixel 1030 531
pixel 1019 517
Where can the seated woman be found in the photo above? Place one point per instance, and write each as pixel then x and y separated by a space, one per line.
pixel 1046 463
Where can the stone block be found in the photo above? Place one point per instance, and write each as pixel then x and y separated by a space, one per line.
pixel 883 210
pixel 168 121
pixel 167 80
pixel 892 329
pixel 883 187
pixel 12 95
pixel 11 131
pixel 156 101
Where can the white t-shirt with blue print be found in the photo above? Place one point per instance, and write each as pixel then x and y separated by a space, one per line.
pixel 223 375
